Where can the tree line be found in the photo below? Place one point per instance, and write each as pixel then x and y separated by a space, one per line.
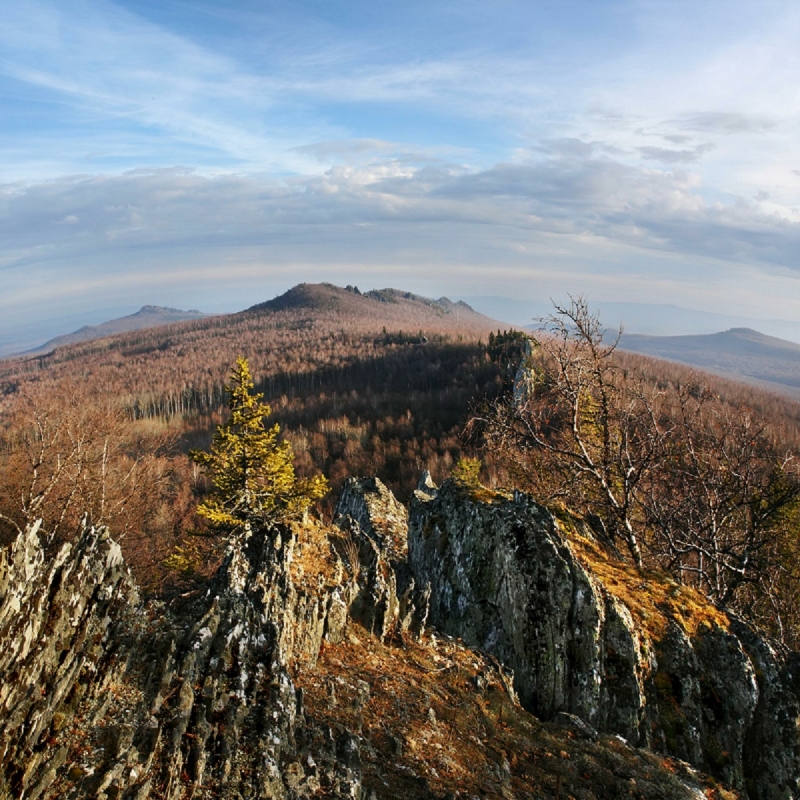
pixel 676 471
pixel 365 403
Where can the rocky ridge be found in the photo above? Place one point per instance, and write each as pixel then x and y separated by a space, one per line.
pixel 107 698
pixel 509 577
pixel 259 685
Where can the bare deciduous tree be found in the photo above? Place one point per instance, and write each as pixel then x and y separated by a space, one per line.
pixel 688 481
pixel 720 496
pixel 582 428
pixel 75 453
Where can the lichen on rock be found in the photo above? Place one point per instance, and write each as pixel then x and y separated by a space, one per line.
pixel 104 695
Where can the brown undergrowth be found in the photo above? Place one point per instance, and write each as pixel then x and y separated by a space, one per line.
pixel 436 720
pixel 653 598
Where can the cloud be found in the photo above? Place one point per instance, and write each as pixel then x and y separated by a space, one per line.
pixel 667 156
pixel 169 93
pixel 436 213
pixel 347 148
pixel 728 122
pixel 420 137
pixel 364 151
pixel 116 83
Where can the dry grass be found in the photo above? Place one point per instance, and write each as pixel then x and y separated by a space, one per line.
pixel 438 722
pixel 653 598
pixel 314 563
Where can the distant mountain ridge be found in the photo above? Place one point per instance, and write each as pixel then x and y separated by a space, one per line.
pixel 739 353
pixel 328 297
pixel 147 316
pixel 399 309
pixel 651 319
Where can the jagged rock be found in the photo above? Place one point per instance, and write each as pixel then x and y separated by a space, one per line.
pixel 379 516
pixel 426 488
pixel 505 578
pixel 386 599
pixel 771 741
pixel 576 725
pixel 105 698
pixel 60 626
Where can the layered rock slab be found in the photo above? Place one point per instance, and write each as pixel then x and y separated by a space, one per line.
pixel 385 600
pixel 62 625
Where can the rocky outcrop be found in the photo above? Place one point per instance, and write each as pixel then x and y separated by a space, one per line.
pixel 506 579
pixel 103 697
pixel 63 647
pixel 386 599
pixel 771 741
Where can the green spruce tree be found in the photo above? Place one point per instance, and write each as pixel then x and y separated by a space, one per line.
pixel 251 468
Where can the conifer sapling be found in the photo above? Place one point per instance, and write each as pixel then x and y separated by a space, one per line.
pixel 251 468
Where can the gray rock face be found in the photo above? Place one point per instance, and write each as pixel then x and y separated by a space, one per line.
pixel 771 741
pixel 505 579
pixel 386 600
pixel 60 626
pixel 104 698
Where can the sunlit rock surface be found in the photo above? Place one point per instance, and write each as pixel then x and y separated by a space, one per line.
pixel 105 696
pixel 505 577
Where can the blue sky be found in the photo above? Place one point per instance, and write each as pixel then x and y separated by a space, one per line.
pixel 203 154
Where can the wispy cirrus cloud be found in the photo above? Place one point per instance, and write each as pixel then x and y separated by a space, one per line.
pixel 670 156
pixel 108 75
pixel 726 122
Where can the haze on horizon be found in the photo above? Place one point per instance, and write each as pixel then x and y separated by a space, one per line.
pixel 207 155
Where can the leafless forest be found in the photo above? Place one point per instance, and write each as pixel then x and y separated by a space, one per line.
pixel 360 384
pixel 381 383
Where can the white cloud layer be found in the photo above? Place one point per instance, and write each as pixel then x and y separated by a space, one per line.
pixel 151 226
pixel 194 153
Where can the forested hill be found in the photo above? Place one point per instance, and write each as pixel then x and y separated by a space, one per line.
pixel 348 310
pixel 392 305
pixel 320 310
pixel 145 317
pixel 379 382
pixel 740 353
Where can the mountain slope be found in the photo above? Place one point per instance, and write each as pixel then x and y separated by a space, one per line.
pixel 393 307
pixel 741 353
pixel 378 305
pixel 308 327
pixel 650 319
pixel 145 317
pixel 374 383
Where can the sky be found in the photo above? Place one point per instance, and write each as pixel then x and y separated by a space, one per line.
pixel 211 155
